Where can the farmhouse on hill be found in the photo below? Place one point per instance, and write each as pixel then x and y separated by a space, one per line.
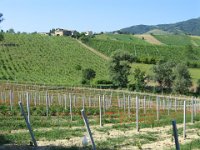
pixel 64 32
pixel 88 33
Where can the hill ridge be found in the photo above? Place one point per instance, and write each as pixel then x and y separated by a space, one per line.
pixel 191 26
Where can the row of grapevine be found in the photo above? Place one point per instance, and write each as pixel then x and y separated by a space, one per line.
pixel 146 53
pixel 46 59
pixel 89 98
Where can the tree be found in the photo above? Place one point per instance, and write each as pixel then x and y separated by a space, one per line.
pixel 163 74
pixel 1 37
pixel 182 80
pixel 119 68
pixel 198 87
pixel 1 17
pixel 1 34
pixel 139 79
pixel 88 74
pixel 52 31
pixel 12 31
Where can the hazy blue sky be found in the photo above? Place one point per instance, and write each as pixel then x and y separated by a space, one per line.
pixel 95 15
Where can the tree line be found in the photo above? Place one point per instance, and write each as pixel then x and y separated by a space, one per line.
pixel 170 76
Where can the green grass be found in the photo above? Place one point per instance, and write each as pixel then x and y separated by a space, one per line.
pixel 45 59
pixel 195 72
pixel 54 134
pixel 122 37
pixel 174 39
pixel 196 40
pixel 136 140
pixel 193 145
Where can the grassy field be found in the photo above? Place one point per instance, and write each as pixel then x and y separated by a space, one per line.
pixel 178 40
pixel 196 40
pixel 194 72
pixel 45 59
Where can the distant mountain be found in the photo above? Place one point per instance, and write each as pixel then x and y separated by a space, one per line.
pixel 191 26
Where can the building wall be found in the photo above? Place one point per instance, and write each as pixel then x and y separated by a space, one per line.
pixel 59 33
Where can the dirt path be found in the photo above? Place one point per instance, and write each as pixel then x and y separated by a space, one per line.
pixel 164 140
pixel 94 51
pixel 149 38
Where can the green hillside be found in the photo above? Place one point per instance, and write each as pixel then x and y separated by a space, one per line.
pixel 191 26
pixel 194 72
pixel 195 40
pixel 45 59
pixel 122 37
pixel 148 53
pixel 177 40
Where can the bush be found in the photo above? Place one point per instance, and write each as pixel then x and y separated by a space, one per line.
pixel 103 82
pixel 88 74
pixel 85 39
pixel 1 37
pixel 131 87
pixel 84 81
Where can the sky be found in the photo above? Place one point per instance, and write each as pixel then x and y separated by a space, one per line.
pixel 93 15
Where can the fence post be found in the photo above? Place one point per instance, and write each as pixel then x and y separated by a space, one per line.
pixel 144 104
pixel 88 128
pixel 11 100
pixel 124 98
pixel 70 105
pixel 157 107
pixel 28 106
pixel 168 105
pixel 65 99
pixel 47 104
pixel 175 105
pixel 184 120
pixel 192 110
pixel 175 135
pixel 83 101
pixel 129 100
pixel 103 100
pixel 100 115
pixel 137 112
pixel 27 124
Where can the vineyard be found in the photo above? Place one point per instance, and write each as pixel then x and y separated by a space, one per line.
pixel 148 53
pixel 178 40
pixel 123 38
pixel 45 59
pixel 118 119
